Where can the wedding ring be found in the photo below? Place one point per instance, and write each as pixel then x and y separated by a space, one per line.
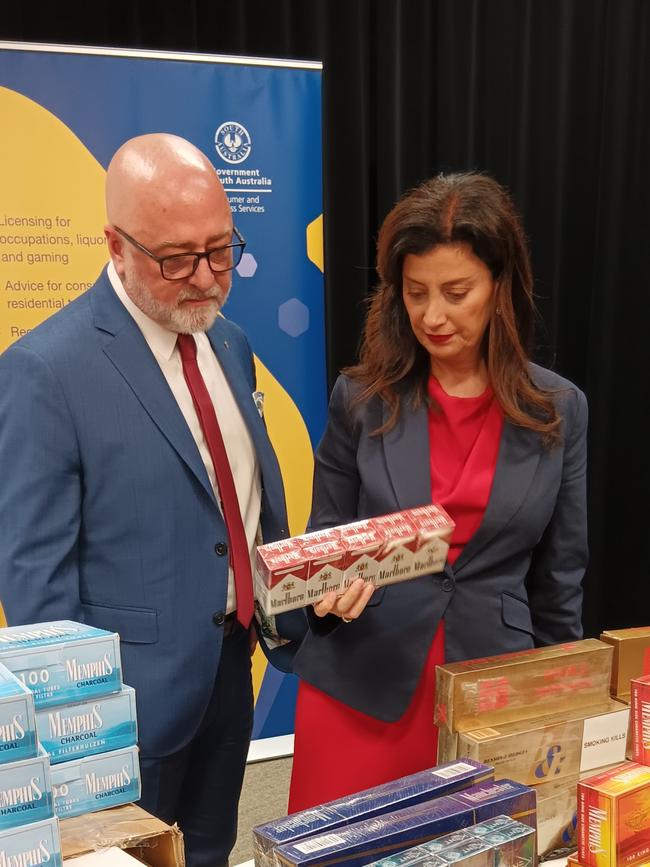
pixel 345 620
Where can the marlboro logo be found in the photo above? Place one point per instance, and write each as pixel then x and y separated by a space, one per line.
pixel 325 575
pixel 289 585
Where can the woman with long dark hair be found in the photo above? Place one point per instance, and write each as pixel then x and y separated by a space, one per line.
pixel 444 406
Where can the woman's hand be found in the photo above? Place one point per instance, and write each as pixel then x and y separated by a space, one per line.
pixel 347 606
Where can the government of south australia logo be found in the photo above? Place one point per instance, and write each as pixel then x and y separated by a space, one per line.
pixel 232 141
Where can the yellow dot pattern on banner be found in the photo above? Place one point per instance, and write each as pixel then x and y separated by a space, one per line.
pixel 52 249
pixel 315 243
pixel 52 218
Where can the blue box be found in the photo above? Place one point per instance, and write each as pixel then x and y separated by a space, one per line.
pixel 96 782
pixel 25 792
pixel 31 845
pixel 395 795
pixel 62 661
pixel 17 719
pixel 89 727
pixel 363 842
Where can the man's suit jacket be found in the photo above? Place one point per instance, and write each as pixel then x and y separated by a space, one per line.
pixel 107 515
pixel 517 582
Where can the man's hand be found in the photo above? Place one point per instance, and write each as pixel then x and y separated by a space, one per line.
pixel 347 606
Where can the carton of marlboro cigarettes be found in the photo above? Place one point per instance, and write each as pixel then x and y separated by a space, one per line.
pixel 363 842
pixel 511 687
pixel 296 572
pixel 640 718
pixel 614 817
pixel 25 792
pixel 631 656
pixel 397 794
pixel 31 845
pixel 550 747
pixel 87 728
pixel 96 782
pixel 62 661
pixel 17 719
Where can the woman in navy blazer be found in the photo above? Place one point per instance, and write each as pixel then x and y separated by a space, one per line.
pixel 448 330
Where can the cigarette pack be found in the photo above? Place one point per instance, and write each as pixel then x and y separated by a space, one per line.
pixel 296 572
pixel 397 794
pixel 561 745
pixel 640 716
pixel 18 738
pixel 363 842
pixel 499 841
pixel 96 782
pixel 500 689
pixel 614 817
pixel 631 656
pixel 62 661
pixel 25 791
pixel 87 728
pixel 31 845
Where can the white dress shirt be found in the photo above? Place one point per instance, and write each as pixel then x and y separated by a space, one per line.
pixel 237 440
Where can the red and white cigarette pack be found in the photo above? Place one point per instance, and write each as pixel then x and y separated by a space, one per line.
pixel 296 572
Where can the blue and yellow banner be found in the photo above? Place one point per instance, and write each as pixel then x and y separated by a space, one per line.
pixel 67 110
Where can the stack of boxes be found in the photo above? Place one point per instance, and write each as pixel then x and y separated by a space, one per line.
pixel 614 807
pixel 489 710
pixel 385 821
pixel 85 716
pixel 631 658
pixel 29 833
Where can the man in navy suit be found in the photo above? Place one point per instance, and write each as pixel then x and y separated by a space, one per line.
pixel 112 502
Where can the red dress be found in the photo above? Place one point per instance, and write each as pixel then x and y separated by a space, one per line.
pixel 362 751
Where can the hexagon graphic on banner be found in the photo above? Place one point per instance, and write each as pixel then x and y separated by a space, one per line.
pixel 248 265
pixel 293 317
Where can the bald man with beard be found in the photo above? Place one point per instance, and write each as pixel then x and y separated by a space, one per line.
pixel 112 511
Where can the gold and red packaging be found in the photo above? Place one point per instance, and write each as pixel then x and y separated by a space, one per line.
pixel 640 719
pixel 614 817
pixel 514 686
pixel 326 568
pixel 631 656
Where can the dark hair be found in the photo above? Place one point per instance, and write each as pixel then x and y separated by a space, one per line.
pixel 473 209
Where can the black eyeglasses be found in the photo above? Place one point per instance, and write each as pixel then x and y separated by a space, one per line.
pixel 180 266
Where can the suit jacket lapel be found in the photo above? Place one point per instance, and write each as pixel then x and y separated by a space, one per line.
pixel 406 448
pixel 128 351
pixel 519 455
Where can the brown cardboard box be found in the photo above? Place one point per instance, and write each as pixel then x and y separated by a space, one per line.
pixel 631 656
pixel 551 747
pixel 127 827
pixel 516 686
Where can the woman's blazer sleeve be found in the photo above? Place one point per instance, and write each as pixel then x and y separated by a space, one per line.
pixel 560 559
pixel 336 476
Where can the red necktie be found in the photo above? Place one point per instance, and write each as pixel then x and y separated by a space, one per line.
pixel 239 553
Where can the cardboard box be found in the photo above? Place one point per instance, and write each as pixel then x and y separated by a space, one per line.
pixel 561 745
pixel 31 845
pixel 96 782
pixel 397 794
pixel 614 817
pixel 363 842
pixel 17 719
pixel 62 661
pixel 640 719
pixel 631 656
pixel 447 745
pixel 25 791
pixel 384 550
pixel 130 828
pixel 87 728
pixel 514 686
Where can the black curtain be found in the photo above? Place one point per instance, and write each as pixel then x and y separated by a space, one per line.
pixel 549 96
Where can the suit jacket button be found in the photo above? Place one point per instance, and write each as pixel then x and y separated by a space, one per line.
pixel 447 585
pixel 219 618
pixel 221 549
